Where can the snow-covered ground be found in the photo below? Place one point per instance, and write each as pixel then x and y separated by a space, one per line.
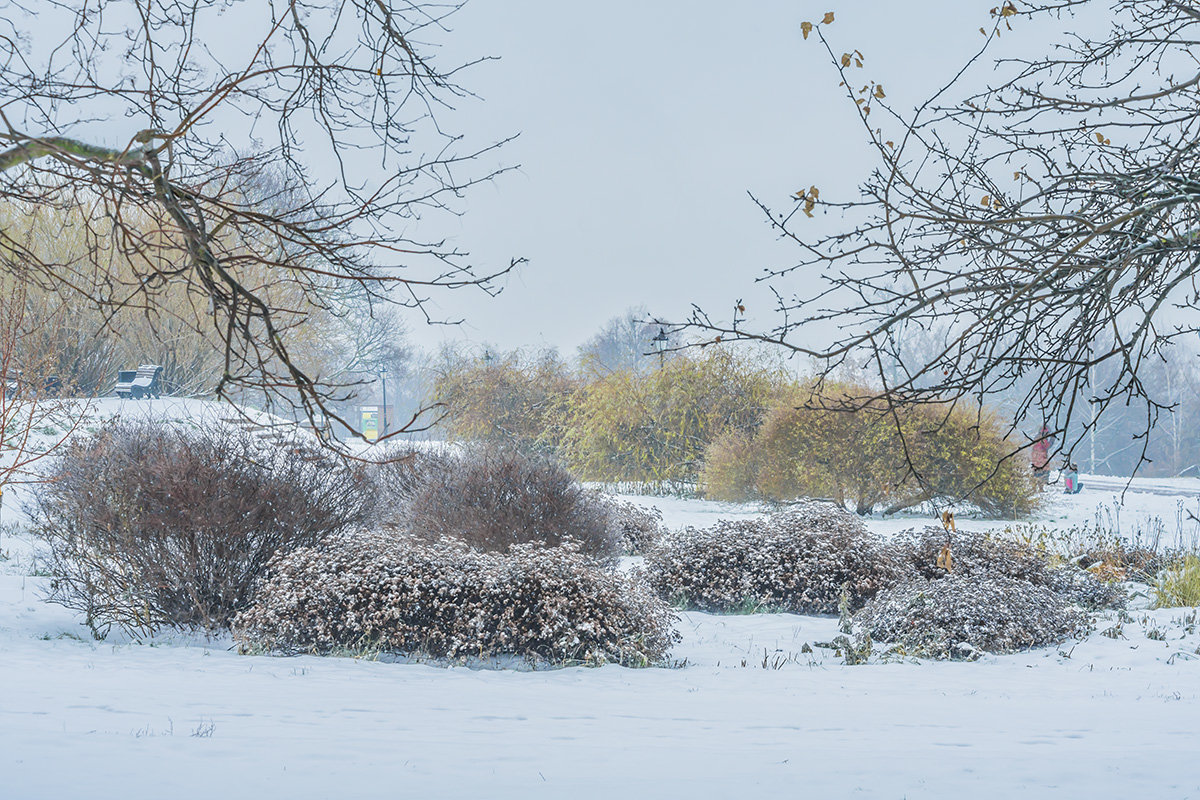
pixel 747 712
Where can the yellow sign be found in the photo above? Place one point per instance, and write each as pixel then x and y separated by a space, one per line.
pixel 370 423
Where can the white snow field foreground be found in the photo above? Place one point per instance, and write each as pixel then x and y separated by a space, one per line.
pixel 749 715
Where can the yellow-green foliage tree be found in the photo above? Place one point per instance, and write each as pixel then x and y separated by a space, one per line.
pixel 83 346
pixel 809 445
pixel 514 397
pixel 655 427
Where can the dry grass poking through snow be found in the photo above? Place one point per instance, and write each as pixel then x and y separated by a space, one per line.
pixel 1179 585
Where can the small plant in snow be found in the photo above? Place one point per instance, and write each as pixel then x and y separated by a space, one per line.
pixel 1179 585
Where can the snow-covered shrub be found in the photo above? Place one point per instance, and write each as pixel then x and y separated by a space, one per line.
pixel 382 593
pixel 492 497
pixel 958 615
pixel 150 524
pixel 639 527
pixel 798 560
pixel 986 555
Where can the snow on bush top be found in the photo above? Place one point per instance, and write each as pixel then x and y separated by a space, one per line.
pixel 798 560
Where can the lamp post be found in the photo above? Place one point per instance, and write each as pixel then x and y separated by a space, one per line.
pixel 383 377
pixel 660 344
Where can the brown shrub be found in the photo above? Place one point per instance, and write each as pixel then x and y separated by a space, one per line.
pixel 493 497
pixel 378 593
pixel 149 525
pixel 397 473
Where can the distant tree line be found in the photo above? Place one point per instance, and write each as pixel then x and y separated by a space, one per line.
pixel 730 424
pixel 78 348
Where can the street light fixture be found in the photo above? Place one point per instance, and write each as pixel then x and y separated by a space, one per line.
pixel 660 345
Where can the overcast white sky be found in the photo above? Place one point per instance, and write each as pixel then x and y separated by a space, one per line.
pixel 642 127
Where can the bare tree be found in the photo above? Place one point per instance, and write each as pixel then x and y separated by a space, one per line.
pixel 1045 212
pixel 627 342
pixel 255 157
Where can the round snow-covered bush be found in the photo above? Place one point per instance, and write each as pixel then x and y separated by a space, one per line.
pixel 800 560
pixel 402 595
pixel 985 555
pixel 957 616
pixel 639 527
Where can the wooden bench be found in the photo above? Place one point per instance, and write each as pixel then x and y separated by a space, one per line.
pixel 145 381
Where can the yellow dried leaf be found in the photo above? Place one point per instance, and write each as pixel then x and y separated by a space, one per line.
pixel 828 18
pixel 814 192
pixel 846 59
pixel 1008 10
pixel 806 28
pixel 890 144
pixel 1016 176
pixel 879 91
pixel 945 560
pixel 986 201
